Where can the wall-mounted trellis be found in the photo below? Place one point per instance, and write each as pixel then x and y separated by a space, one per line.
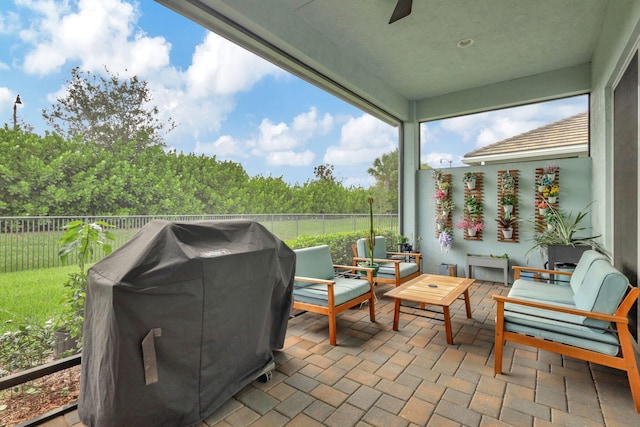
pixel 469 193
pixel 444 209
pixel 544 182
pixel 508 188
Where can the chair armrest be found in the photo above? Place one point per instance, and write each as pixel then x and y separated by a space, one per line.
pixel 406 254
pixel 317 281
pixel 352 267
pixel 395 261
pixel 518 269
pixel 618 318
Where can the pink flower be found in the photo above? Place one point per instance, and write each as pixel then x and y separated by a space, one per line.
pixel 440 195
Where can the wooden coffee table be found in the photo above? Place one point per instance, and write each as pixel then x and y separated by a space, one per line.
pixel 447 289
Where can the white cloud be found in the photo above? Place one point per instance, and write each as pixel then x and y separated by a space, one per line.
pixel 220 67
pixel 9 23
pixel 225 146
pixel 7 98
pixel 98 32
pixel 276 137
pixel 290 158
pixel 440 160
pixel 362 140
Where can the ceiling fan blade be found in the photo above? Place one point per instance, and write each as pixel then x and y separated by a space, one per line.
pixel 403 8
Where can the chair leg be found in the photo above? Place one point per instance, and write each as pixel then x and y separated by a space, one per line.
pixel 372 309
pixel 332 328
pixel 631 365
pixel 499 340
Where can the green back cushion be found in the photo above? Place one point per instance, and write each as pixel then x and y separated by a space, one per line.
pixel 587 258
pixel 314 262
pixel 379 250
pixel 601 291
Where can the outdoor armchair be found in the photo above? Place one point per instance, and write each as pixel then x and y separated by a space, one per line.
pixel 318 289
pixel 393 268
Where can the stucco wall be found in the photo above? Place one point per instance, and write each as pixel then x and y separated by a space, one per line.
pixel 575 195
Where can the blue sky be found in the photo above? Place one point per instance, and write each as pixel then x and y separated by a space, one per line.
pixel 227 102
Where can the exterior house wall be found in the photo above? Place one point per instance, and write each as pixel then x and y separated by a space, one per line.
pixel 575 195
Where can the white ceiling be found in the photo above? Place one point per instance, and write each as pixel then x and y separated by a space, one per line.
pixel 348 47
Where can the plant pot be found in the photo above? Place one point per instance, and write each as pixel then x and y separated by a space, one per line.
pixel 471 184
pixel 507 233
pixel 552 199
pixel 439 227
pixel 471 232
pixel 541 188
pixel 507 208
pixel 367 264
pixel 551 176
pixel 542 211
pixel 550 227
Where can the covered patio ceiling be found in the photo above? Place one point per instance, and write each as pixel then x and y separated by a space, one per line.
pixel 415 68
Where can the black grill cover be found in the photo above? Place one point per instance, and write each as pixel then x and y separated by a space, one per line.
pixel 180 319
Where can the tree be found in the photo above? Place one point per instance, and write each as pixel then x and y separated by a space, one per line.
pixel 385 172
pixel 324 172
pixel 107 109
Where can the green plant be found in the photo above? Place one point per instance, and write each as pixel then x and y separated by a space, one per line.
pixel 447 205
pixel 371 234
pixel 508 182
pixel 84 238
pixel 469 176
pixel 474 206
pixel 565 231
pixel 28 346
pixel 509 199
pixel 507 221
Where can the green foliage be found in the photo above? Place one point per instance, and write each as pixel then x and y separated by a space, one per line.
pixel 385 191
pixel 49 175
pixel 340 243
pixel 107 109
pixel 566 230
pixel 83 238
pixel 28 346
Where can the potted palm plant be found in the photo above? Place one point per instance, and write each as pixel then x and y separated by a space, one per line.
pixel 567 235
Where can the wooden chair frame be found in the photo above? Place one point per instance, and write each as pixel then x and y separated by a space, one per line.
pixel 397 280
pixel 625 360
pixel 331 310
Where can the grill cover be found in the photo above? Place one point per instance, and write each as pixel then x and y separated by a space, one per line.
pixel 181 318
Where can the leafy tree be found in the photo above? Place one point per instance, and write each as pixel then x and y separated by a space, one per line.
pixel 385 172
pixel 107 109
pixel 324 172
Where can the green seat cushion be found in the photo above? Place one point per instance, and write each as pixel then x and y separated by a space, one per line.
pixel 345 290
pixel 314 262
pixel 543 292
pixel 388 269
pixel 560 327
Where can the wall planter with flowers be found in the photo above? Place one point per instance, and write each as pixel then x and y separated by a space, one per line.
pixel 547 195
pixel 444 205
pixel 472 222
pixel 507 206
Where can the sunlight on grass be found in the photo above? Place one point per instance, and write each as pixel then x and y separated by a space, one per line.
pixel 32 296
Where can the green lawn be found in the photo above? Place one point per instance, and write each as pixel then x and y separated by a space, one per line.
pixel 33 296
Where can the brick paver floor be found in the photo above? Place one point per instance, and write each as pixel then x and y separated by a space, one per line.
pixel 378 377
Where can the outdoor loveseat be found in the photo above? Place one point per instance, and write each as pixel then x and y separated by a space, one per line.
pixel 586 320
pixel 318 289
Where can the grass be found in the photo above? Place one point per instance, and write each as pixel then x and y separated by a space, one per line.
pixel 32 296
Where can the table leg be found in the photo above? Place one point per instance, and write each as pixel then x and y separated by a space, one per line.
pixel 447 324
pixel 467 303
pixel 396 315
